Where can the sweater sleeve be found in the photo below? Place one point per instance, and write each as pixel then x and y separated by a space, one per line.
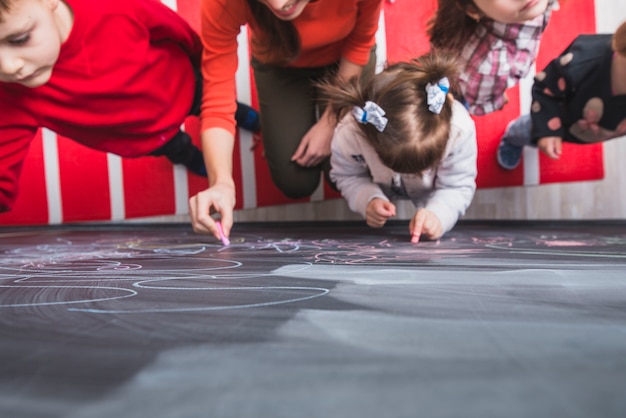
pixel 350 171
pixel 455 182
pixel 360 42
pixel 220 28
pixel 15 138
pixel 564 87
pixel 550 89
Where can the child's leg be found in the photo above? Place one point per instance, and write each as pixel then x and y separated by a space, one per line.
pixel 180 150
pixel 516 136
pixel 246 116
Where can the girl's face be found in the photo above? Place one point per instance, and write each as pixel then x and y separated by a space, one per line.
pixel 30 40
pixel 286 9
pixel 510 11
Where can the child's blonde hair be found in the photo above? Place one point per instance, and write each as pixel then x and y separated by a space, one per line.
pixel 414 138
pixel 619 40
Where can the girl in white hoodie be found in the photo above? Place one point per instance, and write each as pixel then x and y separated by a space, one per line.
pixel 403 136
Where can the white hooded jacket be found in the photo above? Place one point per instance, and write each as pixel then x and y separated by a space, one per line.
pixel 446 190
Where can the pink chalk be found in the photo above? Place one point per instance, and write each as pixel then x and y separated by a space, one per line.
pixel 223 237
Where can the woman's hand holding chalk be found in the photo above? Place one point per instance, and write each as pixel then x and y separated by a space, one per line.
pixel 223 237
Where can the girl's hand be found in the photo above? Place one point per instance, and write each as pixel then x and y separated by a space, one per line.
pixel 425 224
pixel 552 146
pixel 217 199
pixel 378 211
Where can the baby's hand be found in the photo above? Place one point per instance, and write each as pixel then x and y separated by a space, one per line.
pixel 425 224
pixel 552 146
pixel 378 211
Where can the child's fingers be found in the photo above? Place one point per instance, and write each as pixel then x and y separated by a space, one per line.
pixel 375 220
pixel 558 147
pixel 378 211
pixel 551 146
pixel 552 151
pixel 388 209
pixel 417 225
pixel 432 227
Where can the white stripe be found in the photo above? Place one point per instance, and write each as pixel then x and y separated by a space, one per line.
pixel 531 166
pixel 181 189
pixel 52 176
pixel 530 157
pixel 609 15
pixel 171 4
pixel 246 158
pixel 381 43
pixel 244 95
pixel 318 194
pixel 116 187
pixel 181 183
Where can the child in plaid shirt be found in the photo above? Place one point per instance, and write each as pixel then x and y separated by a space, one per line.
pixel 497 43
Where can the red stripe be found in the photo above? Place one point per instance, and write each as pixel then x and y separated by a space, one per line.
pixel 406 23
pixel 573 18
pixel 190 11
pixel 237 172
pixel 148 181
pixel 31 206
pixel 489 130
pixel 148 186
pixel 84 182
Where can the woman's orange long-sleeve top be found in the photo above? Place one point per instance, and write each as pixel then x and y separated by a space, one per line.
pixel 329 30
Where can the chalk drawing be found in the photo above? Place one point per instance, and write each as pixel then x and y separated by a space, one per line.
pixel 145 272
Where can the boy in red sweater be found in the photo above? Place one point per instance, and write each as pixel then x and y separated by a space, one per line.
pixel 118 76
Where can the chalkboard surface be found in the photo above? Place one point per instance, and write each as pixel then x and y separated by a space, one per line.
pixel 314 320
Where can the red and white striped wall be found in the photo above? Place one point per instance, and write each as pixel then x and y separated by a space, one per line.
pixel 65 182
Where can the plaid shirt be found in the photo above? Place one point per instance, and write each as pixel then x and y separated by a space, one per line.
pixel 497 56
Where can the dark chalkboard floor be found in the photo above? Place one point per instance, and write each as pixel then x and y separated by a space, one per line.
pixel 314 320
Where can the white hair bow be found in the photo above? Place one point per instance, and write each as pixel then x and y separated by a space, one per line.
pixel 436 95
pixel 370 113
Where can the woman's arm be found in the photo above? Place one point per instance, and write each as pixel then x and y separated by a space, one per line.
pixel 217 147
pixel 220 28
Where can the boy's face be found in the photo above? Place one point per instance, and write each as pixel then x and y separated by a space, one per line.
pixel 512 11
pixel 30 41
